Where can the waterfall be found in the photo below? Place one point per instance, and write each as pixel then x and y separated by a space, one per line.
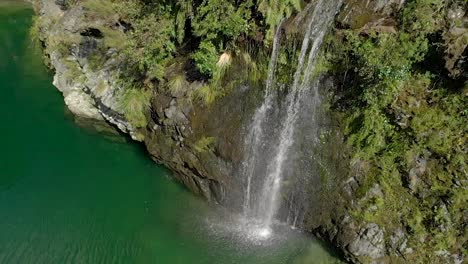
pixel 263 200
pixel 255 134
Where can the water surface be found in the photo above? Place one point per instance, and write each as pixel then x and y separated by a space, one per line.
pixel 68 195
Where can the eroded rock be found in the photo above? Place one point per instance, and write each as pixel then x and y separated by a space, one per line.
pixel 369 242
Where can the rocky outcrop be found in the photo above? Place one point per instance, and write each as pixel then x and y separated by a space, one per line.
pixel 199 143
pixel 365 13
pixel 456 40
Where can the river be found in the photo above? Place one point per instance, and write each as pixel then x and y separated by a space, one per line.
pixel 71 195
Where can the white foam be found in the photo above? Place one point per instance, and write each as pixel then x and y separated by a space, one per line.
pixel 264 233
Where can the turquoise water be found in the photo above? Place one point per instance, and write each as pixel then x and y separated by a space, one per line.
pixel 68 195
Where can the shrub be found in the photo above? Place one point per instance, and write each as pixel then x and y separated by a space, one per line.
pixel 114 38
pixel 206 58
pixel 150 44
pixel 220 19
pixel 35 29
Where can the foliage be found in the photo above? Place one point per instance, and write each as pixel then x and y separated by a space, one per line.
pixel 62 43
pixel 409 126
pixel 216 29
pixel 220 19
pixel 206 57
pixel 207 94
pixel 113 38
pixel 232 71
pixel 151 46
pixel 275 11
pixel 150 35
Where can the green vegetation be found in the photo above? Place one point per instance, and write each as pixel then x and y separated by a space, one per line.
pixel 219 20
pixel 206 58
pixel 34 31
pixel 134 103
pixel 152 34
pixel 146 37
pixel 178 84
pixel 161 29
pixel 73 71
pixel 204 144
pixel 405 118
pixel 275 11
pixel 408 124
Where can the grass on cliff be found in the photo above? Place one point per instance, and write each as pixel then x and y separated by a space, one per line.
pixel 134 103
pixel 408 131
pixel 230 72
pixel 178 84
pixel 34 30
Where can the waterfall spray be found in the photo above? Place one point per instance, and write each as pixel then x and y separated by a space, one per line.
pixel 268 194
pixel 255 135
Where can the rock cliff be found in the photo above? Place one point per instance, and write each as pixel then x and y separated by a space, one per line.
pixel 202 144
pixel 198 143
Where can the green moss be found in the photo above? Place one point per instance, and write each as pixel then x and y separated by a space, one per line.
pixel 73 71
pixel 99 9
pixel 204 144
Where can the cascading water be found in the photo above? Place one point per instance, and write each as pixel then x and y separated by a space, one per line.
pixel 263 206
pixel 255 136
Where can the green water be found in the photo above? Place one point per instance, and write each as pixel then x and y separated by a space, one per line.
pixel 68 195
